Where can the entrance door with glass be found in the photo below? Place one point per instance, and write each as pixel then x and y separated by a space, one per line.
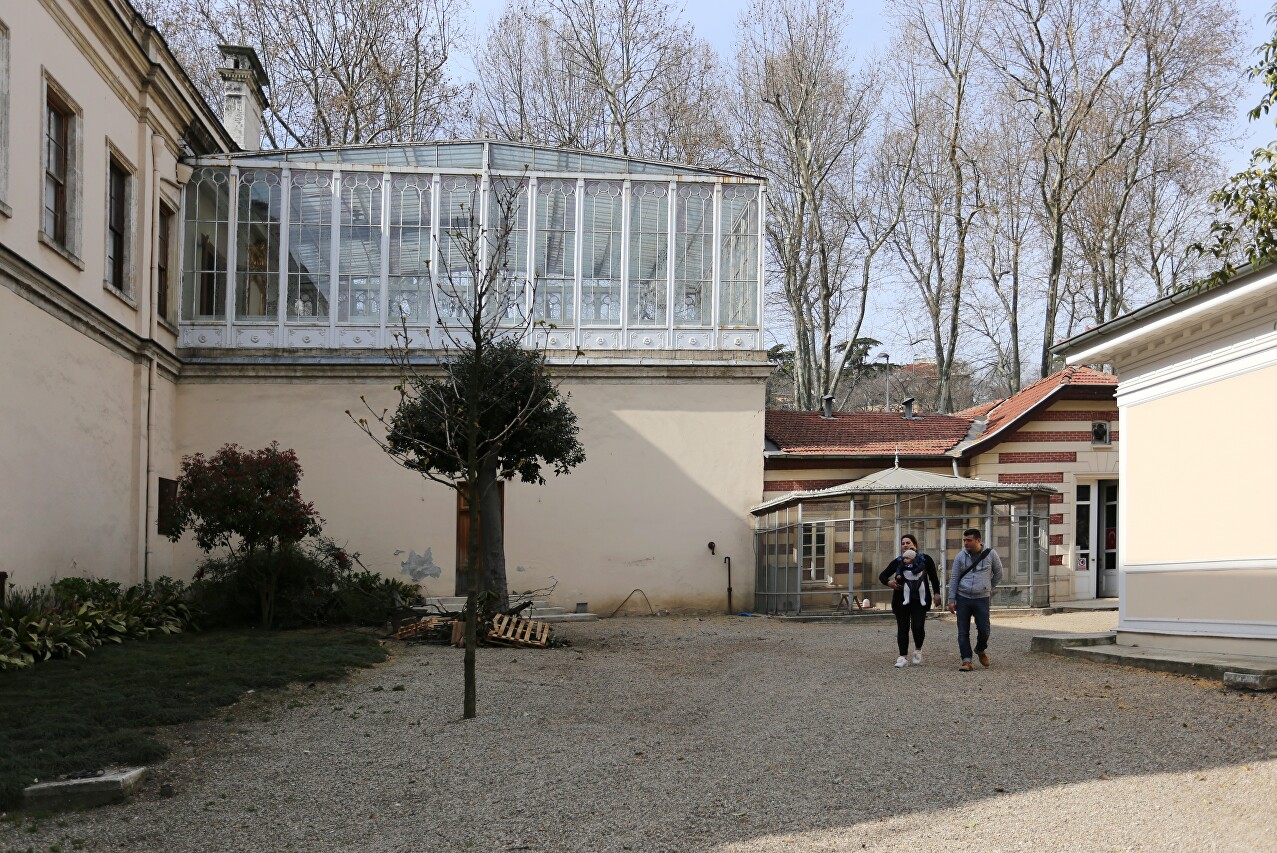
pixel 1095 534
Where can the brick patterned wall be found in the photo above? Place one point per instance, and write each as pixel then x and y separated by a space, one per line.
pixel 1056 539
pixel 1055 435
pixel 1095 415
pixel 1052 456
pixel 799 485
pixel 1058 518
pixel 1044 477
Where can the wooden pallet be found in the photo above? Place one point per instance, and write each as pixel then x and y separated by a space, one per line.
pixel 513 631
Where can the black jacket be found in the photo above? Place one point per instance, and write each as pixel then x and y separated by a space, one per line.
pixel 931 578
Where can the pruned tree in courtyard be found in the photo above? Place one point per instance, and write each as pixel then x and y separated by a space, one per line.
pixel 476 405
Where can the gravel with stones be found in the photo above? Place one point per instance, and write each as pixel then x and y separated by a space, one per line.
pixel 721 734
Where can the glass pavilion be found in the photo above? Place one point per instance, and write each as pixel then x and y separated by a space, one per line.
pixel 336 247
pixel 823 550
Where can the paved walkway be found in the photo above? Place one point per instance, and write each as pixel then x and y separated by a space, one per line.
pixel 730 735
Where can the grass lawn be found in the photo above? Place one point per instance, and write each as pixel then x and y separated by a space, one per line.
pixel 66 716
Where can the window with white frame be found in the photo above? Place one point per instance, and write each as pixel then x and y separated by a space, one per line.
pixel 649 253
pixel 601 254
pixel 310 234
pixel 738 302
pixel 507 233
pixel 257 234
pixel 458 246
pixel 556 251
pixel 409 248
pixel 815 552
pixel 694 255
pixel 359 259
pixel 208 216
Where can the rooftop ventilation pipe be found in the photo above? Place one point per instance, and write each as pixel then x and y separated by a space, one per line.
pixel 908 405
pixel 828 407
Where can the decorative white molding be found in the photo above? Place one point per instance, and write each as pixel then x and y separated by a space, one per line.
pixel 1107 350
pixel 1203 565
pixel 1199 628
pixel 1255 354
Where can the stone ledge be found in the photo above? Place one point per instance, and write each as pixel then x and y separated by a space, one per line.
pixel 1212 666
pixel 1056 643
pixel 1250 681
pixel 113 786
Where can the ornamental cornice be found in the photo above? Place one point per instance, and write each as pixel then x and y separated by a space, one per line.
pixel 55 299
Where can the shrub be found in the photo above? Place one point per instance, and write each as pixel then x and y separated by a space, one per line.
pixel 73 616
pixel 317 584
pixel 247 501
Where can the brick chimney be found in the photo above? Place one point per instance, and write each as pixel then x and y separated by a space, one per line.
pixel 244 85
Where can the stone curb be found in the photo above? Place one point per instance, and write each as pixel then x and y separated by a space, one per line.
pixel 115 785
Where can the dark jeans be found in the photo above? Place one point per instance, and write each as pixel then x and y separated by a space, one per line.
pixel 913 617
pixel 979 608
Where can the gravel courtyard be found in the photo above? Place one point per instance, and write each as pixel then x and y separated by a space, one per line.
pixel 731 735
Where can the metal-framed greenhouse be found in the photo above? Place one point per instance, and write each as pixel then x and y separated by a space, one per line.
pixel 823 550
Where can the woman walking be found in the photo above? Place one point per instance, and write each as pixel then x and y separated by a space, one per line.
pixel 913 578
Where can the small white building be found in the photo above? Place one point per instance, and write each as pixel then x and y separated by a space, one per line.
pixel 1197 410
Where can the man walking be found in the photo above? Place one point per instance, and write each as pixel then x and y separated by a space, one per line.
pixel 976 571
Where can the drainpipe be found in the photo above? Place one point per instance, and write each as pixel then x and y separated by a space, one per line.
pixel 157 146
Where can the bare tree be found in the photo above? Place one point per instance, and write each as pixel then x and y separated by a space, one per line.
pixel 1061 57
pixel 1177 93
pixel 801 118
pixel 622 76
pixel 940 40
pixel 341 72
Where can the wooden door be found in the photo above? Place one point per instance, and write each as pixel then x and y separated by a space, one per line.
pixel 463 537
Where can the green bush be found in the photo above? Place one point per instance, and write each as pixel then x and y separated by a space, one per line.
pixel 73 616
pixel 317 584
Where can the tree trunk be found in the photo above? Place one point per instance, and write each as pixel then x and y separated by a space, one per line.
pixel 472 601
pixel 492 571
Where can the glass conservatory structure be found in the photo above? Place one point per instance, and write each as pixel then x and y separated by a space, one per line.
pixel 335 248
pixel 823 550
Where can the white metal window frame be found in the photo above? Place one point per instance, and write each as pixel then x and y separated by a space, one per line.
pixel 232 331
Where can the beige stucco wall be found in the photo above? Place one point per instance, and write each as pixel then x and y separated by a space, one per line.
pixel 1199 467
pixel 69 438
pixel 670 467
pixel 1207 507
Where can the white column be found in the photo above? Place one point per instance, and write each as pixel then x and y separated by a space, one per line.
pixel 232 238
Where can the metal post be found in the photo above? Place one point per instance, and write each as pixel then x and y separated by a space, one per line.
pixel 944 543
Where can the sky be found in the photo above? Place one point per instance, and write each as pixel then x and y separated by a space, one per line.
pixel 867 34
pixel 716 21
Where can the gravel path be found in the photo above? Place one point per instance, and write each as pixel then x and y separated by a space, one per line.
pixel 725 735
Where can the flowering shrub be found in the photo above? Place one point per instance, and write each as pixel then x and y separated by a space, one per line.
pixel 249 502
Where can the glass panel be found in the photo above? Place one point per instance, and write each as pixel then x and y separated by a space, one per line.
pixel 465 155
pixel 359 253
pixel 1083 492
pixel 458 246
pixel 310 229
pixel 556 250
pixel 739 263
pixel 601 245
pixel 409 249
pixel 208 210
pixel 508 236
pixel 257 236
pixel 649 253
pixel 693 255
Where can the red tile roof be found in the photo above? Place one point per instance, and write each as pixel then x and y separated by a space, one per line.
pixel 1012 408
pixel 885 433
pixel 864 433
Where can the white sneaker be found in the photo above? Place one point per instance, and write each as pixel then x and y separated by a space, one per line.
pixel 916 660
pixel 902 662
